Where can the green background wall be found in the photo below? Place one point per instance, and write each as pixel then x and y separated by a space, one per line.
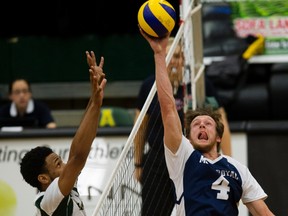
pixel 52 59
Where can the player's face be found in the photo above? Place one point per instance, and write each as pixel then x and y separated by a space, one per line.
pixel 54 165
pixel 20 94
pixel 203 135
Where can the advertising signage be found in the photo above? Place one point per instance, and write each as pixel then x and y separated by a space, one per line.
pixel 268 18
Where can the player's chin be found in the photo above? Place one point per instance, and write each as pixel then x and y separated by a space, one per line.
pixel 203 145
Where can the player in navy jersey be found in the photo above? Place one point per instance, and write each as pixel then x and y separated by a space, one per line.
pixel 206 182
pixel 150 167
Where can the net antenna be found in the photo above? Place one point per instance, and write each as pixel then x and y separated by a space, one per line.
pixel 122 193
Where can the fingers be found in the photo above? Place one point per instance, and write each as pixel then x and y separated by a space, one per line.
pixel 91 59
pixel 93 55
pixel 103 83
pixel 98 81
pixel 97 72
pixel 101 62
pixel 88 57
pixel 94 79
pixel 144 33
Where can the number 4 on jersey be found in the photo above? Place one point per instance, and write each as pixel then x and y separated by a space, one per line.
pixel 221 184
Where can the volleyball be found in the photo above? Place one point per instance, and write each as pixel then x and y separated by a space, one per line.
pixel 157 18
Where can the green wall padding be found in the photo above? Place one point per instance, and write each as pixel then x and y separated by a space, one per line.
pixel 51 59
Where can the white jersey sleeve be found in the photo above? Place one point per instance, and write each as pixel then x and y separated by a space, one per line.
pixel 251 188
pixel 52 197
pixel 176 163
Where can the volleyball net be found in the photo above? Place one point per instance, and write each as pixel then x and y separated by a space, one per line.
pixel 122 193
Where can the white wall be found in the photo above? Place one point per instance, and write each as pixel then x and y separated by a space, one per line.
pixel 103 156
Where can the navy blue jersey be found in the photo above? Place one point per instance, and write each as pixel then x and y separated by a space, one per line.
pixel 221 185
pixel 205 187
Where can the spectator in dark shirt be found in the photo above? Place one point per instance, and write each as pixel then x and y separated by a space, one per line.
pixel 23 110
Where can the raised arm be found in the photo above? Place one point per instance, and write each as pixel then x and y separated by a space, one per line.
pixel 171 120
pixel 86 132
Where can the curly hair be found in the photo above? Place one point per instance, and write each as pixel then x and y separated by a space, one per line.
pixel 33 164
pixel 215 115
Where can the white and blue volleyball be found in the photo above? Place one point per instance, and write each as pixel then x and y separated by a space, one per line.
pixel 157 17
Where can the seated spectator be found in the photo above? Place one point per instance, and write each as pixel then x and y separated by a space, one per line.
pixel 23 110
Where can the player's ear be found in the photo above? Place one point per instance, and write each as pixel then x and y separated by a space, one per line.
pixel 218 139
pixel 43 178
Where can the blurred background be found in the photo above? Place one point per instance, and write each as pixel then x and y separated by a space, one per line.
pixel 45 42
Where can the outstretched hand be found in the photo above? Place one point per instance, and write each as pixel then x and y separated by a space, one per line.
pixel 158 44
pixel 91 61
pixel 97 77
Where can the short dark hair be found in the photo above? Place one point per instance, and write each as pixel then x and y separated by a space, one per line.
pixel 10 86
pixel 214 114
pixel 33 164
